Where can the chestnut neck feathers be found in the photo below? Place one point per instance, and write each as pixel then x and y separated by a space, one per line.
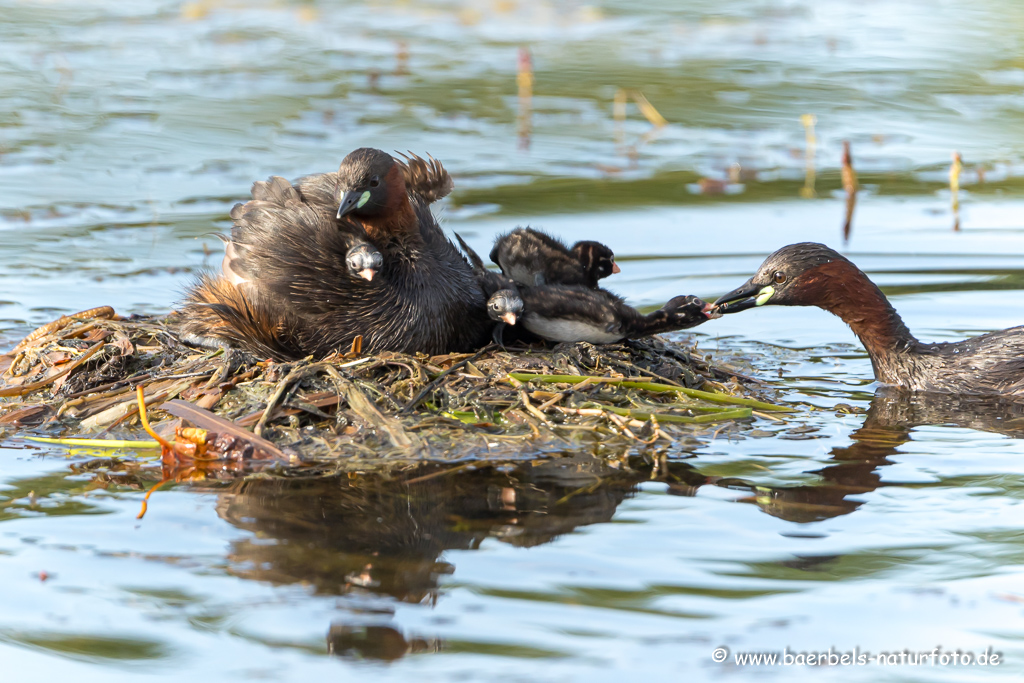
pixel 841 288
pixel 397 218
pixel 988 364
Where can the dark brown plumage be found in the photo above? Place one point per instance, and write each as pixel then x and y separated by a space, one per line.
pixel 426 178
pixel 531 257
pixel 567 313
pixel 810 274
pixel 287 291
pixel 504 305
pixel 574 313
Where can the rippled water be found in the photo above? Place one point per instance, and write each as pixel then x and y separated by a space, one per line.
pixel 127 130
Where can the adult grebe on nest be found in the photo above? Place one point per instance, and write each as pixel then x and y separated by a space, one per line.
pixel 293 281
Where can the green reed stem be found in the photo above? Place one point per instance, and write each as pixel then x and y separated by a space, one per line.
pixel 643 416
pixel 651 386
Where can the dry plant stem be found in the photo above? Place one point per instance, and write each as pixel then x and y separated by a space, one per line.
pixel 598 409
pixel 434 475
pixel 27 388
pixel 622 425
pixel 222 372
pixel 437 380
pixel 293 376
pixel 60 335
pixel 365 408
pixel 154 399
pixel 73 403
pixel 109 385
pixel 631 366
pixel 187 375
pixel 531 409
pixel 51 327
pixel 562 395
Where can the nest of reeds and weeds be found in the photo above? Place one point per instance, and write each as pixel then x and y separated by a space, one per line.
pixel 83 375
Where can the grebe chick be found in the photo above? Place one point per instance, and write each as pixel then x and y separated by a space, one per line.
pixel 364 260
pixel 505 306
pixel 810 274
pixel 574 313
pixel 531 257
pixel 503 301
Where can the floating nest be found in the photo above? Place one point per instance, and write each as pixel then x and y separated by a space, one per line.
pixel 82 375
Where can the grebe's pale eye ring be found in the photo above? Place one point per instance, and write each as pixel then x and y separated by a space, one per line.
pixel 778 277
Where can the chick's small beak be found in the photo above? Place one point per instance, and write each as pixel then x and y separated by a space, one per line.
pixel 509 317
pixel 367 273
pixel 747 295
pixel 615 268
pixel 350 201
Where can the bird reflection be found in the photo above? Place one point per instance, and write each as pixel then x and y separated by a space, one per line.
pixel 856 469
pixel 380 534
pixel 374 536
pixel 383 536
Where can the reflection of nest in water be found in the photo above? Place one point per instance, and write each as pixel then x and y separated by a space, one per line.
pixel 77 375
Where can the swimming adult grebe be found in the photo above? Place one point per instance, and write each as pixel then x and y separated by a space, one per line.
pixel 810 274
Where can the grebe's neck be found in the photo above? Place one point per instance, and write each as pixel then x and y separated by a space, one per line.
pixel 843 289
pixel 397 218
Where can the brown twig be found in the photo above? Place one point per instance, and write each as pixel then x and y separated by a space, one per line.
pixel 23 389
pixel 51 327
pixel 293 376
pixel 437 380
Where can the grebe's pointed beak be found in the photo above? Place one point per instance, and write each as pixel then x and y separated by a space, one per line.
pixel 711 312
pixel 615 268
pixel 747 295
pixel 352 200
pixel 509 317
pixel 367 273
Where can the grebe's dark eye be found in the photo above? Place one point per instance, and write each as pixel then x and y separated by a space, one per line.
pixel 374 181
pixel 778 277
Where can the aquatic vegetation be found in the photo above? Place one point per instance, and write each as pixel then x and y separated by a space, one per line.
pixel 94 373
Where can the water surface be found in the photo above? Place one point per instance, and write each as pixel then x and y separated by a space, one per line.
pixel 127 131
